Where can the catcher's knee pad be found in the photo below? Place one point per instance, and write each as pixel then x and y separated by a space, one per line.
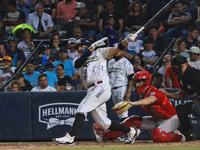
pixel 133 121
pixel 161 136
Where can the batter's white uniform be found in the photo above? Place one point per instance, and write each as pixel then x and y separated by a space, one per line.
pixel 93 71
pixel 118 72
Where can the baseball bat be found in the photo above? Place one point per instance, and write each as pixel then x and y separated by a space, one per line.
pixel 156 15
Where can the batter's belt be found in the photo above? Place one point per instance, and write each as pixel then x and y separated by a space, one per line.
pixel 93 84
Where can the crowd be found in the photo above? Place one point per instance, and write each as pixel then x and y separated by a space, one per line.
pixel 83 22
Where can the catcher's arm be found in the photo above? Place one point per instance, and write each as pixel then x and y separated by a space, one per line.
pixel 146 101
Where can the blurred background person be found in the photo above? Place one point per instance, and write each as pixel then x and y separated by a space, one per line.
pixel 64 81
pixel 23 83
pixel 14 86
pixel 179 46
pixel 51 76
pixel 194 59
pixel 43 85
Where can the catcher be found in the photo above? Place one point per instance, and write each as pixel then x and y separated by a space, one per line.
pixel 163 121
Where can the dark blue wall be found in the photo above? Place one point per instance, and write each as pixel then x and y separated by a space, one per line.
pixel 27 116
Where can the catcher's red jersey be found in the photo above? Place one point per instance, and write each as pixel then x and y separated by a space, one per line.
pixel 162 108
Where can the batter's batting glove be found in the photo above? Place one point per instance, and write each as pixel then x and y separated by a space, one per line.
pixel 131 37
pixel 99 43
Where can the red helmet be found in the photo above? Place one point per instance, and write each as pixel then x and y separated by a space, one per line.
pixel 146 77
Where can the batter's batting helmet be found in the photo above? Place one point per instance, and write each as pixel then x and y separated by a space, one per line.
pixel 177 62
pixel 82 41
pixel 144 76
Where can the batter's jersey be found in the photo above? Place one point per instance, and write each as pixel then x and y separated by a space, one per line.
pixel 162 108
pixel 118 72
pixel 95 68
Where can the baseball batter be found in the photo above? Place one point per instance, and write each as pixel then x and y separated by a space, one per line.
pixel 163 121
pixel 120 72
pixel 92 68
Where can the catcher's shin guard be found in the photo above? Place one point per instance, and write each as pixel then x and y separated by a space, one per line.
pixel 111 135
pixel 133 121
pixel 161 136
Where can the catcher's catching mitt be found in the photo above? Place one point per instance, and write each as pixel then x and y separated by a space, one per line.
pixel 121 107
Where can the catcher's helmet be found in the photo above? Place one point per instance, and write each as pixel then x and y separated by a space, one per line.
pixel 144 76
pixel 177 62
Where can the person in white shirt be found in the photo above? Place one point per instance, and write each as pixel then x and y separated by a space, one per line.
pixel 72 51
pixel 41 22
pixel 43 85
pixel 194 59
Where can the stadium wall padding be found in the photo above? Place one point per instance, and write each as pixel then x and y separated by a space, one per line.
pixel 41 116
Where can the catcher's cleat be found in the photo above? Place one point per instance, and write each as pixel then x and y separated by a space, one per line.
pixel 132 135
pixel 98 132
pixel 67 139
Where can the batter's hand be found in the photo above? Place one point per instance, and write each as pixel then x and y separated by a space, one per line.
pixel 99 43
pixel 131 37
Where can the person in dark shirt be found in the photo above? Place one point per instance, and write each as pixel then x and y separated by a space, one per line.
pixel 192 38
pixel 190 85
pixel 63 80
pixel 118 25
pixel 24 84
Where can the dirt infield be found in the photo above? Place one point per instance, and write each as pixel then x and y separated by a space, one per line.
pixel 47 145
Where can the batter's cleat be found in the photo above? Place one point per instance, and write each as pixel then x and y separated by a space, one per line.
pixel 132 135
pixel 67 139
pixel 98 132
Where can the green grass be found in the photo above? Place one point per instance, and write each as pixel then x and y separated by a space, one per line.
pixel 133 148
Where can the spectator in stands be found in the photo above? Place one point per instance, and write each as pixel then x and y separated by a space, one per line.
pixel 138 63
pixel 178 21
pixel 13 17
pixel 3 11
pixel 157 80
pixel 179 46
pixel 194 59
pixel 63 80
pixel 6 71
pixel 77 32
pixel 135 19
pixel 44 57
pixel 86 20
pixel 23 83
pixel 30 74
pixel 14 86
pixel 51 76
pixel 109 31
pixel 95 6
pixel 198 42
pixel 16 54
pixel 165 63
pixel 41 22
pixel 72 51
pixel 68 64
pixel 151 7
pixel 23 6
pixel 43 85
pixel 118 25
pixel 26 45
pixel 149 55
pixel 65 13
pixel 160 42
pixel 50 8
pixel 192 38
pixel 55 44
pixel 4 51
